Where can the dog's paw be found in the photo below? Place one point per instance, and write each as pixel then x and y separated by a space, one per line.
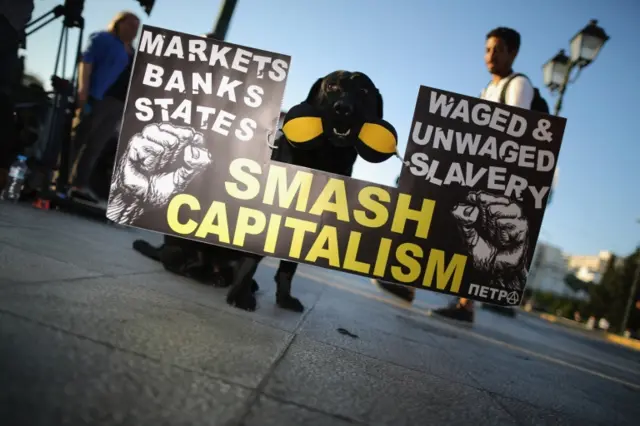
pixel 244 301
pixel 290 303
pixel 254 286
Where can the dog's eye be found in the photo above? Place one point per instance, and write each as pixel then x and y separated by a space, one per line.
pixel 332 87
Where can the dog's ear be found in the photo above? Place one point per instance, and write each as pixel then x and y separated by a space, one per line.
pixel 380 105
pixel 315 91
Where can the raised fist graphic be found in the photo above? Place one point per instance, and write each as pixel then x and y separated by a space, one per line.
pixel 496 235
pixel 158 163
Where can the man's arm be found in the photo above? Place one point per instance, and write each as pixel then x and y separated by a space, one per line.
pixel 519 93
pixel 84 79
pixel 93 51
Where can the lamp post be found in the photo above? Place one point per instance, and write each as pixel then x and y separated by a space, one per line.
pixel 224 20
pixel 632 294
pixel 584 47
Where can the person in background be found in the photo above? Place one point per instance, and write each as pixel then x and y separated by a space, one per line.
pixel 501 49
pixel 14 16
pixel 103 78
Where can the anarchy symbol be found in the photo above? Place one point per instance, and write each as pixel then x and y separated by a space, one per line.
pixel 513 298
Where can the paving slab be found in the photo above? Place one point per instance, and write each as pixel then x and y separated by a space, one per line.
pixel 271 412
pixel 24 266
pixel 371 391
pixel 60 379
pixel 148 323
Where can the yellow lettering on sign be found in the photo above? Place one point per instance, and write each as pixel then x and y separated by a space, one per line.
pixel 277 182
pixel 382 258
pixel 404 255
pixel 325 246
pixel 351 263
pixel 250 222
pixel 367 199
pixel 300 228
pixel 271 240
pixel 243 171
pixel 441 273
pixel 404 212
pixel 215 222
pixel 173 214
pixel 335 188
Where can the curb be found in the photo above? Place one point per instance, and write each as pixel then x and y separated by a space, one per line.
pixel 613 338
pixel 623 341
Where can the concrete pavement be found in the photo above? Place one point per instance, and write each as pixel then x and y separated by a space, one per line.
pixel 92 333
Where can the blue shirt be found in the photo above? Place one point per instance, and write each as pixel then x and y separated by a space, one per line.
pixel 109 58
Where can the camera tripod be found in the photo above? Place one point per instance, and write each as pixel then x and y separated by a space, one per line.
pixel 58 143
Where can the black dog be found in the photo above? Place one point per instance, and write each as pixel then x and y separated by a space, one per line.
pixel 205 263
pixel 343 102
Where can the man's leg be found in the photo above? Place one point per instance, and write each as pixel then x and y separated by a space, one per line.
pixel 408 294
pixel 463 310
pixel 104 117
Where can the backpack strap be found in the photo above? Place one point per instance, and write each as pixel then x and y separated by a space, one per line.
pixel 503 93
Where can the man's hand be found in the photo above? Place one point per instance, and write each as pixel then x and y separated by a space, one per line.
pixel 496 235
pixel 158 163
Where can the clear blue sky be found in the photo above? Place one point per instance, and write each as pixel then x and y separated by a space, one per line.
pixel 403 44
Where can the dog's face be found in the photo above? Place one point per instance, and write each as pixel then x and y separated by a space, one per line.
pixel 346 100
pixel 343 109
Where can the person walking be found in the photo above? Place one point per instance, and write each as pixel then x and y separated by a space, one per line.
pixel 502 45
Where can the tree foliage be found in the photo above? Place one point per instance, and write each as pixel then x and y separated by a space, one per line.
pixel 609 298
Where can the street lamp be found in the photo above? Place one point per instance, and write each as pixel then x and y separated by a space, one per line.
pixel 584 48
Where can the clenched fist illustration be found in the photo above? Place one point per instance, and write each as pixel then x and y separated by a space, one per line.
pixel 158 163
pixel 496 234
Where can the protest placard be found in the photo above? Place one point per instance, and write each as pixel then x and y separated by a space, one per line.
pixel 193 162
pixel 193 104
pixel 490 168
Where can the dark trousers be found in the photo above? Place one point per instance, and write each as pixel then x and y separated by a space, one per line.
pixel 92 134
pixel 9 45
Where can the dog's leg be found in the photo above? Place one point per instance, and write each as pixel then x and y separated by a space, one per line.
pixel 240 294
pixel 174 259
pixel 284 278
pixel 227 272
pixel 146 249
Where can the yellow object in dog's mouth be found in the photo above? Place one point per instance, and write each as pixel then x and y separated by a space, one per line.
pixel 378 138
pixel 303 129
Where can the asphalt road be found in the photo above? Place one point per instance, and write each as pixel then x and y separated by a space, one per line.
pixel 92 333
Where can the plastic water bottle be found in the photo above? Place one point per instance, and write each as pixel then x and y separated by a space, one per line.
pixel 15 181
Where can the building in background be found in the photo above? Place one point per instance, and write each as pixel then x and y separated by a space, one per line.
pixel 550 267
pixel 549 270
pixel 589 268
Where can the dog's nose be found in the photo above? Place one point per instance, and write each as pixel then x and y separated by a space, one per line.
pixel 343 108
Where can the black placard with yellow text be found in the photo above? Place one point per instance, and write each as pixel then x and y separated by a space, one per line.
pixel 193 161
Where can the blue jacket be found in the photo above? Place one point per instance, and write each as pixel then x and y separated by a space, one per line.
pixel 107 54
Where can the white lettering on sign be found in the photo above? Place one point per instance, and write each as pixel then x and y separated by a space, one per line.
pixel 494 294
